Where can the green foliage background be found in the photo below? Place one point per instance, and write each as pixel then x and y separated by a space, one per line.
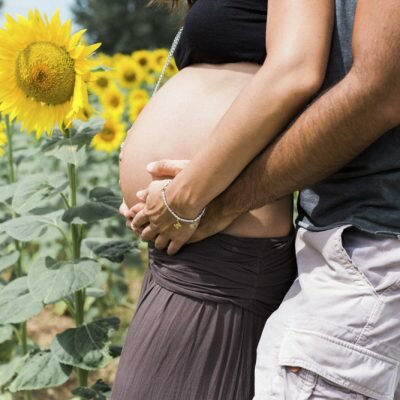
pixel 126 25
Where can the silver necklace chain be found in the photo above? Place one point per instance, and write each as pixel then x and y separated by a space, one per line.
pixel 165 66
pixel 168 60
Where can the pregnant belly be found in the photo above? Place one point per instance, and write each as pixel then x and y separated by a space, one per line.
pixel 176 123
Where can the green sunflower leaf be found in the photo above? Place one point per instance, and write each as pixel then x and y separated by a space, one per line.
pixel 89 212
pixel 40 370
pixel 7 191
pixel 106 196
pixel 33 191
pixel 8 370
pixel 30 227
pixel 8 260
pixel 6 332
pixel 113 250
pixel 98 391
pixel 104 204
pixel 88 346
pixel 50 280
pixel 16 302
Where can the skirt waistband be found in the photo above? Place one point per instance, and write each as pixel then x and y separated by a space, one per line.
pixel 253 273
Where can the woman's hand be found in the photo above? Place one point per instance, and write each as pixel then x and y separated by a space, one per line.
pixel 127 213
pixel 155 223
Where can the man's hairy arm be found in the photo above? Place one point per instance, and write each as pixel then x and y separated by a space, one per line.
pixel 334 129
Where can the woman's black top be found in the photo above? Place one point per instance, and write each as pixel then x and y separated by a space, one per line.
pixel 223 31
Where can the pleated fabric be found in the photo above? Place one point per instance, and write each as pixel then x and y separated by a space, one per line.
pixel 199 319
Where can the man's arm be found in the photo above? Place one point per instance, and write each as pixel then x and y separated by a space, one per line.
pixel 334 129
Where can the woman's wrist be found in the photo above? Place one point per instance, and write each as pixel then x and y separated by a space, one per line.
pixel 181 199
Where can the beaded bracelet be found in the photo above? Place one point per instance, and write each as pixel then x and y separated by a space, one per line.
pixel 178 224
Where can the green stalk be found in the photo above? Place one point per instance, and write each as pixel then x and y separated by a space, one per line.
pixel 76 253
pixel 10 133
pixel 12 178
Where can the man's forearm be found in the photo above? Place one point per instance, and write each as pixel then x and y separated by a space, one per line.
pixel 340 124
pixel 331 132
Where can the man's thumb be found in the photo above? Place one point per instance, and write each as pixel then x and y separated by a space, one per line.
pixel 166 167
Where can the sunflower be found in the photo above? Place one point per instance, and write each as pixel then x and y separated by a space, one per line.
pixel 138 94
pixel 128 72
pixel 172 69
pixel 158 59
pixel 113 101
pixel 104 60
pixel 43 71
pixel 136 107
pixel 111 136
pixel 101 81
pixel 3 138
pixel 143 58
pixel 87 112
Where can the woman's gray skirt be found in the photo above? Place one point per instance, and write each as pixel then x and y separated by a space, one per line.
pixel 200 316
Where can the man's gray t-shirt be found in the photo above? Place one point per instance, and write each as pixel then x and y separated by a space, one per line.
pixel 366 192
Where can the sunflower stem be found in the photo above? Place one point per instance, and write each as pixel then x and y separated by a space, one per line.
pixel 12 178
pixel 10 134
pixel 76 236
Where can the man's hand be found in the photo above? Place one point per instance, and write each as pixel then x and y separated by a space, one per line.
pixel 218 217
pixel 166 168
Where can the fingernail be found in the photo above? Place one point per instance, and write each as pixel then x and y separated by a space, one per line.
pixel 151 167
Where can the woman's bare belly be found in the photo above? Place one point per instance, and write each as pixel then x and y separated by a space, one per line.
pixel 176 123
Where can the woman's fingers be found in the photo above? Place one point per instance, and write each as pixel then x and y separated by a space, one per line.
pixel 161 242
pixel 174 247
pixel 137 208
pixel 142 195
pixel 140 219
pixel 148 234
pixel 166 167
pixel 124 210
pixel 137 231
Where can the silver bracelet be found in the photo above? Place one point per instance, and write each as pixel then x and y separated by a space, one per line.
pixel 193 222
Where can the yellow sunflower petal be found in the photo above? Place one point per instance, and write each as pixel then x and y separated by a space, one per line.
pixel 44 71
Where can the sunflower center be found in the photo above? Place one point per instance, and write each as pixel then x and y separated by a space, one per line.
pixel 107 134
pixel 46 73
pixel 130 76
pixel 102 82
pixel 143 61
pixel 114 101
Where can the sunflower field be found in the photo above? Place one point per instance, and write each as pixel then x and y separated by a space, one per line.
pixel 69 268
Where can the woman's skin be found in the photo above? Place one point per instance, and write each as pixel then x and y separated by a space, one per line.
pixel 298 43
pixel 177 123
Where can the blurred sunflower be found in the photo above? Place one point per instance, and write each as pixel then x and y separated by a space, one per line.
pixel 128 72
pixel 151 77
pixel 111 136
pixel 43 71
pixel 113 101
pixel 87 112
pixel 136 107
pixel 3 138
pixel 102 80
pixel 172 69
pixel 104 60
pixel 138 94
pixel 143 58
pixel 158 59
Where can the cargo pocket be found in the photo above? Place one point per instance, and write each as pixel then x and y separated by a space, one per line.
pixel 344 364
